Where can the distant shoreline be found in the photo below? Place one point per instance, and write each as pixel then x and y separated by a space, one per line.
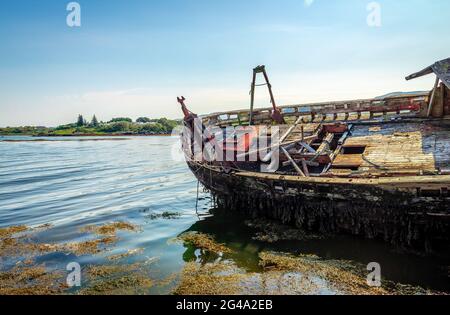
pixel 117 127
pixel 87 135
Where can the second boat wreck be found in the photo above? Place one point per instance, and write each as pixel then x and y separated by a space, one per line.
pixel 378 168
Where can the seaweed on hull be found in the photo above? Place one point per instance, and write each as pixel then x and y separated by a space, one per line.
pixel 378 168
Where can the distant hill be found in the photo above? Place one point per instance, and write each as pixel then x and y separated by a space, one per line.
pixel 399 94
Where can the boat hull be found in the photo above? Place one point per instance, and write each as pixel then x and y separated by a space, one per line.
pixel 389 209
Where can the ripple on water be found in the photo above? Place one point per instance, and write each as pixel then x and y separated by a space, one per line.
pixel 73 184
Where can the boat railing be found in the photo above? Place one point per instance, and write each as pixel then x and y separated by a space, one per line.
pixel 410 105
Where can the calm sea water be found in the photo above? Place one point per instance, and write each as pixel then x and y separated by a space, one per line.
pixel 74 182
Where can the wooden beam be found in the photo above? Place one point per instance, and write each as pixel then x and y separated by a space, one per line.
pixel 326 143
pixel 345 135
pixel 430 106
pixel 309 163
pixel 313 137
pixel 336 152
pixel 284 137
pixel 293 162
pixel 391 103
pixel 305 167
pixel 307 147
pixel 403 181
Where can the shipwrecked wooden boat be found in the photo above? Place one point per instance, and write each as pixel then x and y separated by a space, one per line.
pixel 378 168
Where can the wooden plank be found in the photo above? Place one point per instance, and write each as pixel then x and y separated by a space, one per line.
pixel 287 134
pixel 405 150
pixel 307 147
pixel 292 162
pixel 326 143
pixel 403 181
pixel 430 105
pixel 348 161
pixel 305 167
pixel 274 146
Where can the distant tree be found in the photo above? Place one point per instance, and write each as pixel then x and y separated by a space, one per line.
pixel 152 128
pixel 143 120
pixel 168 125
pixel 65 127
pixel 94 121
pixel 121 119
pixel 80 121
pixel 119 126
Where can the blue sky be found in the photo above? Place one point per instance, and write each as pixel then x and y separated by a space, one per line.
pixel 132 58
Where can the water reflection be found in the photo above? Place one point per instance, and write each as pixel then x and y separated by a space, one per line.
pixel 398 266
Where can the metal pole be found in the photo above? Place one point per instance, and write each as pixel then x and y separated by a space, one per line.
pixel 252 100
pixel 272 99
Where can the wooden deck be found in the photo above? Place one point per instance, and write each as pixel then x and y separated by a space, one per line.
pixel 422 148
pixel 410 148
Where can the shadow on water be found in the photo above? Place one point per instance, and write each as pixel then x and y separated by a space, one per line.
pixel 429 272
